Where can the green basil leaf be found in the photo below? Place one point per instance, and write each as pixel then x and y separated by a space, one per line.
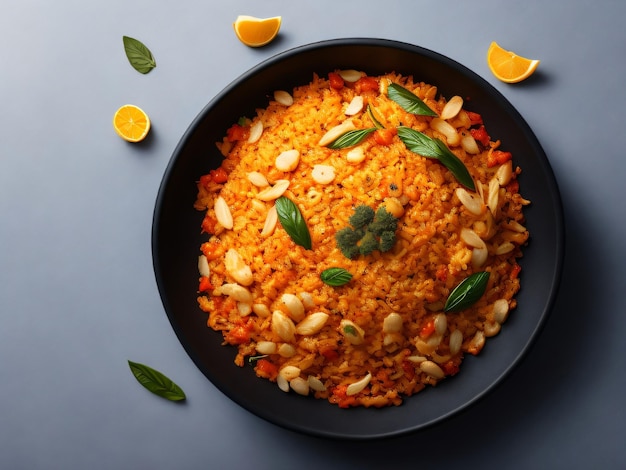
pixel 350 138
pixel 156 382
pixel 467 292
pixel 420 143
pixel 335 276
pixel 292 221
pixel 349 330
pixel 408 101
pixel 253 359
pixel 138 55
pixel 370 113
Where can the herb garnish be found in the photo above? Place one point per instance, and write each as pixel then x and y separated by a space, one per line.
pixel 156 382
pixel 335 277
pixel 420 143
pixel 410 102
pixel 370 113
pixel 253 359
pixel 368 231
pixel 467 292
pixel 138 55
pixel 350 138
pixel 292 221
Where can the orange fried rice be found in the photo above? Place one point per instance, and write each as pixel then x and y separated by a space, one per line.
pixel 384 334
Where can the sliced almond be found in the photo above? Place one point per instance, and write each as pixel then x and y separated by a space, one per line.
pixel 283 326
pixel 449 132
pixel 355 106
pixel 472 202
pixel 504 173
pixel 316 384
pixel 235 291
pixel 203 266
pixel 452 107
pixel 287 160
pixel 350 75
pixel 479 257
pixel 222 213
pixel 337 132
pixel 283 97
pixel 355 155
pixel 323 174
pixel 258 179
pixel 256 131
pixel 493 196
pixel 312 323
pixel 358 386
pixel 290 372
pixel 273 192
pixel 469 144
pixel 266 347
pixel 237 268
pixel 270 222
pixel 300 386
pixel 392 323
pixel 471 238
pixel 432 369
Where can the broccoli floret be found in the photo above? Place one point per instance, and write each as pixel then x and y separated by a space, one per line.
pixel 369 243
pixel 383 222
pixel 370 231
pixel 363 215
pixel 347 240
pixel 387 240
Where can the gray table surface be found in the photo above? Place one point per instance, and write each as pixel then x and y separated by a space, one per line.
pixel 77 290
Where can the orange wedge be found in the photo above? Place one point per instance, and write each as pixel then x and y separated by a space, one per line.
pixel 131 123
pixel 508 66
pixel 256 32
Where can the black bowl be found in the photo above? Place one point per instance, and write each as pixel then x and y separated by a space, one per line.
pixel 176 239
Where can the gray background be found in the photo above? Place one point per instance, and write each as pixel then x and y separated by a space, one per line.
pixel 77 291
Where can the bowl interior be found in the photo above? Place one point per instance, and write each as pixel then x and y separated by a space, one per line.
pixel 176 239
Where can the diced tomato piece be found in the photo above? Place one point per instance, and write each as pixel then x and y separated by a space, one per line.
pixel 211 250
pixel 240 334
pixel 384 136
pixel 336 82
pixel 513 186
pixel 266 369
pixel 329 353
pixel 442 273
pixel 340 397
pixel 204 284
pixel 364 84
pixel 498 157
pixel 208 224
pixel 235 132
pixel 451 367
pixel 481 135
pixel 219 175
pixel 515 272
pixel 475 118
pixel 428 329
pixel 205 180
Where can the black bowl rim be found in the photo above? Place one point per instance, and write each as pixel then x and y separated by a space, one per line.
pixel 556 204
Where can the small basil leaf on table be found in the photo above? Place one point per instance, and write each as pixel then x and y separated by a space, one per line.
pixel 467 292
pixel 292 221
pixel 335 276
pixel 138 55
pixel 419 143
pixel 156 382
